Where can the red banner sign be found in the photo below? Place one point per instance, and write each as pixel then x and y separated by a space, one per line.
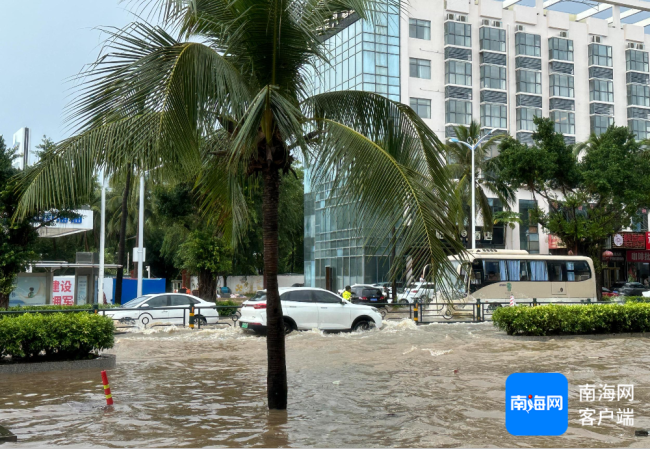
pixel 647 240
pixel 638 256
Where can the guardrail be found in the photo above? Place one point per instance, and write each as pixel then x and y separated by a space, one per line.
pixel 422 312
pixel 181 316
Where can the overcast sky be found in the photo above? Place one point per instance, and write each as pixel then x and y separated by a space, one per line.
pixel 42 44
pixel 45 42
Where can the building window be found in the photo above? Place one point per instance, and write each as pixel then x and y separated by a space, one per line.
pixel 640 128
pixel 600 123
pixel 420 68
pixel 494 115
pixel 636 60
pixel 600 55
pixel 565 122
pixel 493 39
pixel 457 72
pixel 422 107
pixel 420 29
pixel 525 118
pixel 601 90
pixel 560 49
pixel 528 232
pixel 458 112
pixel 529 81
pixel 638 95
pixel 493 77
pixel 528 44
pixel 561 86
pixel 459 34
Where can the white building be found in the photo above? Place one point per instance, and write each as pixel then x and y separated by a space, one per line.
pixel 21 141
pixel 498 63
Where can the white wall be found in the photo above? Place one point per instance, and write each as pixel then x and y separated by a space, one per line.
pixel 251 284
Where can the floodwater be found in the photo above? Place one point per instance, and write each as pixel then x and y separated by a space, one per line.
pixel 435 385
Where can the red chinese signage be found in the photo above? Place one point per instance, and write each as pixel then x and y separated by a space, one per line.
pixel 638 256
pixel 647 240
pixel 631 240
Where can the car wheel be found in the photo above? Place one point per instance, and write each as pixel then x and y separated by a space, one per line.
pixel 404 302
pixel 363 325
pixel 145 320
pixel 288 326
pixel 201 321
pixel 383 312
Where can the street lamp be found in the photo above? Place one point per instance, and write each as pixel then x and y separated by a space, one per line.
pixel 472 144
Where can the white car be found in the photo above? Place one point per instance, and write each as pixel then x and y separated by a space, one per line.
pixel 308 308
pixel 145 310
pixel 422 291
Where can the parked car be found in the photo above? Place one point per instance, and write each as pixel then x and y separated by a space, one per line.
pixel 607 293
pixel 367 295
pixel 388 288
pixel 144 310
pixel 422 291
pixel 633 289
pixel 308 308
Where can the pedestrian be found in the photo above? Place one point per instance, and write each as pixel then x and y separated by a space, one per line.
pixel 347 294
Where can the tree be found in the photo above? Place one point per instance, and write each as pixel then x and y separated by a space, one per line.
pixel 593 190
pixel 16 237
pixel 208 255
pixel 227 100
pixel 508 219
pixel 488 181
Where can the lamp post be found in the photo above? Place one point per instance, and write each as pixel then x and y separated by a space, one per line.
pixel 102 232
pixel 140 235
pixel 472 144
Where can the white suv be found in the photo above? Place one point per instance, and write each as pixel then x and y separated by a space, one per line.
pixel 308 308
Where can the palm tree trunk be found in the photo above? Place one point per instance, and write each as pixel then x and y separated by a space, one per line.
pixel 276 380
pixel 122 243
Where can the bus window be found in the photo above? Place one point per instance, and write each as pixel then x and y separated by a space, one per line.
pixel 556 271
pixel 494 271
pixel 537 270
pixel 517 270
pixel 578 271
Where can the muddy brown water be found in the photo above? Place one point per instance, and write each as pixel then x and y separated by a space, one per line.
pixel 393 387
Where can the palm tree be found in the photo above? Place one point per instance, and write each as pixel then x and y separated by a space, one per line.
pixel 220 91
pixel 488 181
pixel 508 219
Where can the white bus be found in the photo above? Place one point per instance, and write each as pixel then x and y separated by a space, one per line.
pixel 495 275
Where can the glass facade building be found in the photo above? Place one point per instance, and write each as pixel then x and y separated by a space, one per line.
pixel 363 56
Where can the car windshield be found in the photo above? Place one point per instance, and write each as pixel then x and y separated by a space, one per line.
pixel 137 301
pixel 259 296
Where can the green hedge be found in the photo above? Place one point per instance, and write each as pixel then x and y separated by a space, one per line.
pixel 68 336
pixel 226 312
pixel 634 299
pixel 577 319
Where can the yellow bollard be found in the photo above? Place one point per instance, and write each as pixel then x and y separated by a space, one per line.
pixel 415 312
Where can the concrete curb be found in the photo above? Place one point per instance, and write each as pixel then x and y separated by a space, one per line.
pixel 6 436
pixel 104 361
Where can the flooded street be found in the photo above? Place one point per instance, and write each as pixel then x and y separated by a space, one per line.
pixel 394 387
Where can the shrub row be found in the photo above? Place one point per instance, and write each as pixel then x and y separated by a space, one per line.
pixel 227 312
pixel 577 319
pixel 68 336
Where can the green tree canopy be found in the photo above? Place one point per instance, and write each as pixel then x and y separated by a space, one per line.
pixel 17 238
pixel 593 190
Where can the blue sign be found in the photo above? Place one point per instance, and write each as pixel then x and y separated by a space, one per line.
pixel 537 404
